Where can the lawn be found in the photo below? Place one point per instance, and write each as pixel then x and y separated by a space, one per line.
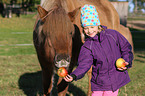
pixel 20 73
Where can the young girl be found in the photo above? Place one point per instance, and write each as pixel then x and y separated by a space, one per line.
pixel 101 49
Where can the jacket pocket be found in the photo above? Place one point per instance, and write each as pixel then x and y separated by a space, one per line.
pixel 121 76
pixel 103 80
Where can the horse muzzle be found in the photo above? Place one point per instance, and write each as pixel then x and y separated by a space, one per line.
pixel 62 60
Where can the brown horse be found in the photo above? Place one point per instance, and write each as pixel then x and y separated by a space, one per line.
pixel 57 34
pixel 57 45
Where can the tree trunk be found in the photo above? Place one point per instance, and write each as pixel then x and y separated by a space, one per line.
pixel 135 6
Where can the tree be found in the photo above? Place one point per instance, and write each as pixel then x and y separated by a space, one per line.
pixel 13 2
pixel 135 5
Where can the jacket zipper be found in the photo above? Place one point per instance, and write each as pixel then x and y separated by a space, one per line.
pixel 107 62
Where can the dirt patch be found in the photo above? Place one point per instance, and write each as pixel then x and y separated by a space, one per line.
pixel 136 24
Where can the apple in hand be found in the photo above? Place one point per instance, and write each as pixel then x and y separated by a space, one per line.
pixel 62 72
pixel 120 63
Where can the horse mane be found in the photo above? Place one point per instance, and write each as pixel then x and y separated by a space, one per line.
pixel 57 25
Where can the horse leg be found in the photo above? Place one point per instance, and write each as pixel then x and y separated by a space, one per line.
pixel 62 87
pixel 47 76
pixel 89 73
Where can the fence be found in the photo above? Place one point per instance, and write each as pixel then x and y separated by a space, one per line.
pixel 136 20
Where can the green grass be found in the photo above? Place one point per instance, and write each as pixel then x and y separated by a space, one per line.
pixel 17 50
pixel 21 24
pixel 12 69
pixel 20 73
pixel 15 37
pixel 15 31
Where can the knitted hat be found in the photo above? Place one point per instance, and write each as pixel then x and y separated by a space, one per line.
pixel 89 16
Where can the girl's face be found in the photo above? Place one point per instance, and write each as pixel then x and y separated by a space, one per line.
pixel 91 30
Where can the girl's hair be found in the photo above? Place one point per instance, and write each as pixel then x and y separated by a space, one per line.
pixel 100 28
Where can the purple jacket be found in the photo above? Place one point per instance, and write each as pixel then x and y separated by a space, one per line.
pixel 102 52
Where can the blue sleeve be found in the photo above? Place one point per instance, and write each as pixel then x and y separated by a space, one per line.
pixel 85 61
pixel 125 48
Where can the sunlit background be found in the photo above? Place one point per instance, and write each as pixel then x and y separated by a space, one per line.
pixel 20 72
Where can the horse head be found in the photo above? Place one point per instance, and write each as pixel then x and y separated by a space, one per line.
pixel 55 31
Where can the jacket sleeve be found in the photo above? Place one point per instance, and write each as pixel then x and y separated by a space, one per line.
pixel 126 49
pixel 85 61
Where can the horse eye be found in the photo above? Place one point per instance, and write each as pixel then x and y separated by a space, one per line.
pixel 70 33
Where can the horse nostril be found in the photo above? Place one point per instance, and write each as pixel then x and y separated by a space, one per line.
pixel 62 63
pixel 59 57
pixel 62 60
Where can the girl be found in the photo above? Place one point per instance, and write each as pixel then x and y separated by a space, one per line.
pixel 101 49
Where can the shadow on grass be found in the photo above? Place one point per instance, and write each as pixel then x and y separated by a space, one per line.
pixel 31 84
pixel 138 37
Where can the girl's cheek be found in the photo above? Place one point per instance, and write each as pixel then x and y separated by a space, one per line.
pixel 85 31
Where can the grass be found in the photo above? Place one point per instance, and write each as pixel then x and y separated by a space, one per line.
pixel 16 31
pixel 22 24
pixel 20 73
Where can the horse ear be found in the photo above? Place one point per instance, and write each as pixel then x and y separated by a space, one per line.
pixel 42 12
pixel 73 14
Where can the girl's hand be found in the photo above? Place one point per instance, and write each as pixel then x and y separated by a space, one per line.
pixel 68 78
pixel 123 68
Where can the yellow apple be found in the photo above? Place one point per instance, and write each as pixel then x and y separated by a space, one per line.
pixel 120 62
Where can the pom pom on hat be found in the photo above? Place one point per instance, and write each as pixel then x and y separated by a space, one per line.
pixel 89 16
